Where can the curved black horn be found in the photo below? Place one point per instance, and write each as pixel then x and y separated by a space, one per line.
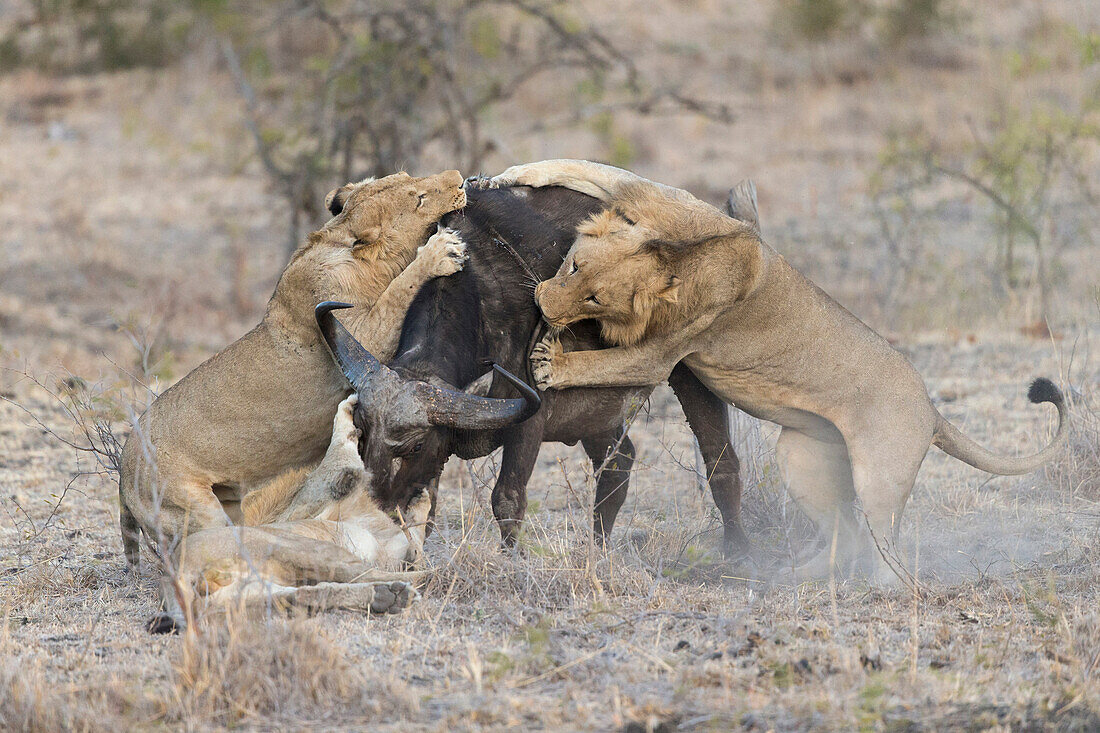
pixel 357 364
pixel 469 412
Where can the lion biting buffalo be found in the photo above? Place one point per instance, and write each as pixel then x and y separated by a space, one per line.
pixel 515 238
pixel 264 405
pixel 235 478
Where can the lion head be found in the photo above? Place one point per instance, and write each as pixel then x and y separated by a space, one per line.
pixel 368 216
pixel 612 274
pixel 376 227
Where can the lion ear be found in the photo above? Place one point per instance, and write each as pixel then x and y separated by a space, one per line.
pixel 671 291
pixel 336 199
pixel 368 236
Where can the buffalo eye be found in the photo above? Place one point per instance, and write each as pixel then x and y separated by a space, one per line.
pixel 418 447
pixel 592 299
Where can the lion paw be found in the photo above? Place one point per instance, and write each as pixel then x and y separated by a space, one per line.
pixel 479 183
pixel 393 597
pixel 517 175
pixel 446 252
pixel 546 360
pixel 418 507
pixel 343 425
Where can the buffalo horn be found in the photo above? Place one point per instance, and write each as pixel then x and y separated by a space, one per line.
pixel 357 364
pixel 469 412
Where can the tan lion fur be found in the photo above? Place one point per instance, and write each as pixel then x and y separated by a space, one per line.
pixel 263 405
pixel 329 545
pixel 671 278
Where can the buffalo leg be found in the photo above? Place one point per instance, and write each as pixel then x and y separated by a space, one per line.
pixel 612 458
pixel 708 418
pixel 509 499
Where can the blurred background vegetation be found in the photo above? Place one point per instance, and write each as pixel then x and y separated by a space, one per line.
pixel 929 162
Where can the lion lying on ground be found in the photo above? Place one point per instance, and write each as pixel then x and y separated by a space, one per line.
pixel 313 540
pixel 669 277
pixel 263 405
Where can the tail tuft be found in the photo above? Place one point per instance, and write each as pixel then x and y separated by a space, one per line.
pixel 1044 390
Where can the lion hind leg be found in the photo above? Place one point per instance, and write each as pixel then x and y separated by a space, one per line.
pixel 884 475
pixel 304 493
pixel 818 476
pixel 263 505
pixel 377 597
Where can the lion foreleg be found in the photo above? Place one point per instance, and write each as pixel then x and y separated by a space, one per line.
pixel 295 496
pixel 408 545
pixel 644 364
pixel 377 597
pixel 379 330
pixel 595 179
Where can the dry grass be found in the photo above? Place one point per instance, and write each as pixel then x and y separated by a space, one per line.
pixel 246 673
pixel 1077 470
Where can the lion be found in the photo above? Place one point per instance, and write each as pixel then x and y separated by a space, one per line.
pixel 669 277
pixel 312 539
pixel 262 406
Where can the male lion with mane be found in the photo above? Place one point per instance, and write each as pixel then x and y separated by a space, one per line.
pixel 264 404
pixel 671 278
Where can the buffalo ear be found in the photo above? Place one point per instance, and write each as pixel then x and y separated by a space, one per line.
pixel 670 293
pixel 480 387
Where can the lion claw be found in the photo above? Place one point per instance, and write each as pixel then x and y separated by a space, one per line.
pixel 479 183
pixel 542 362
pixel 392 597
pixel 448 252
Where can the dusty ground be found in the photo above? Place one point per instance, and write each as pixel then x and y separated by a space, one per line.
pixel 132 212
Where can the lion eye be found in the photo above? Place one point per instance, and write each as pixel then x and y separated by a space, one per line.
pixel 420 199
pixel 592 299
pixel 573 267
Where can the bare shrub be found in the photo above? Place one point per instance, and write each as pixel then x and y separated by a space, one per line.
pixel 1027 161
pixel 94 35
pixel 914 19
pixel 336 91
pixel 815 20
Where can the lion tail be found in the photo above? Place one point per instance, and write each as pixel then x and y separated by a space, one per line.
pixel 951 440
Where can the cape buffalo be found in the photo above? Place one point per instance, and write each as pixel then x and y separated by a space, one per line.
pixel 433 401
